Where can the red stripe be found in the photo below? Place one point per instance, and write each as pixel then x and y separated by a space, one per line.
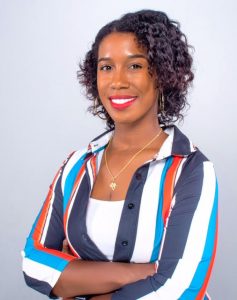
pixel 40 224
pixel 202 292
pixel 169 186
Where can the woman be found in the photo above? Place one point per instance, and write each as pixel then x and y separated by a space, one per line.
pixel 138 206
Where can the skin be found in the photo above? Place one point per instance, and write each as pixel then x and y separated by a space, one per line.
pixel 119 73
pixel 122 69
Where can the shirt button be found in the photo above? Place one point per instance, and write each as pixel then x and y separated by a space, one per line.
pixel 131 205
pixel 138 176
pixel 124 243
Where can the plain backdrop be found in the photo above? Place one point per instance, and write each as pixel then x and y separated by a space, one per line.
pixel 43 111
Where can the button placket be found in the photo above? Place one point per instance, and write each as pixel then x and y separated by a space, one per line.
pixel 131 205
pixel 124 243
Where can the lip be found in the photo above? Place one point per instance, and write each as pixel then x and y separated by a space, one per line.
pixel 121 106
pixel 121 97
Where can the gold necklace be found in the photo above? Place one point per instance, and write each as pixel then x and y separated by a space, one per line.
pixel 113 184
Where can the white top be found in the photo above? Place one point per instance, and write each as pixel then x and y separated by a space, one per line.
pixel 102 222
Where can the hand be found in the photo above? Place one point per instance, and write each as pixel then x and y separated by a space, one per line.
pixel 66 248
pixel 142 270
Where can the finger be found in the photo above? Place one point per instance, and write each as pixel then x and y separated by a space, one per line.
pixel 65 246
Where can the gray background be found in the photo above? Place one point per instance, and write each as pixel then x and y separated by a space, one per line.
pixel 43 111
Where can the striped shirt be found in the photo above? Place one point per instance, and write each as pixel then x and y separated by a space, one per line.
pixel 169 217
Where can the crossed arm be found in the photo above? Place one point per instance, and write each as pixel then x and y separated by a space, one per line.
pixel 84 277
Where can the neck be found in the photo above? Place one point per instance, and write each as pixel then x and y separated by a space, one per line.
pixel 134 136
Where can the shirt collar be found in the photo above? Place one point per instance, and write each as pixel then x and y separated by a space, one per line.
pixel 176 144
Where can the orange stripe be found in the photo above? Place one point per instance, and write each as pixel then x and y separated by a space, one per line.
pixel 54 252
pixel 40 224
pixel 78 178
pixel 204 287
pixel 42 219
pixel 169 186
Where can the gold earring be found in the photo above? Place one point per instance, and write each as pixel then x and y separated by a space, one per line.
pixel 161 102
pixel 94 106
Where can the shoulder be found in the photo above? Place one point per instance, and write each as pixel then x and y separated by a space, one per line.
pixel 72 165
pixel 197 160
pixel 197 172
pixel 194 158
pixel 73 159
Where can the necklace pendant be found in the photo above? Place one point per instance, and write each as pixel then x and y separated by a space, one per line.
pixel 113 185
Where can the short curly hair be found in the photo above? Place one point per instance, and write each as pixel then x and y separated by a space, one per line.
pixel 168 55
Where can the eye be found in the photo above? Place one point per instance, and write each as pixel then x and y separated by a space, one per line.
pixel 135 66
pixel 105 68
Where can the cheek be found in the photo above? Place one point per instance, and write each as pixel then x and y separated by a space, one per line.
pixel 102 84
pixel 148 88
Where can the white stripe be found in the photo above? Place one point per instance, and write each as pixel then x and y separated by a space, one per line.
pixel 46 225
pixel 192 149
pixel 187 266
pixel 148 214
pixel 69 212
pixel 90 171
pixel 166 147
pixel 103 140
pixel 99 156
pixel 40 272
pixel 70 164
pixel 180 169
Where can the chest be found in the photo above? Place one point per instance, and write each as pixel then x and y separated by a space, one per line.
pixel 147 200
pixel 114 174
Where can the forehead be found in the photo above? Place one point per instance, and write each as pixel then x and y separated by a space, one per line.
pixel 119 43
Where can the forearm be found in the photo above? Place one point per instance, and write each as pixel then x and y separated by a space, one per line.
pixel 90 277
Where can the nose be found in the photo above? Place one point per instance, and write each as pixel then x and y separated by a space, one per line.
pixel 119 80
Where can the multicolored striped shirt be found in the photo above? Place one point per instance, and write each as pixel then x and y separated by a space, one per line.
pixel 169 217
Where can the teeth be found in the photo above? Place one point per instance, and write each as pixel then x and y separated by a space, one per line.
pixel 122 101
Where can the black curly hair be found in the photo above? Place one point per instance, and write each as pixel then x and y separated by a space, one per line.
pixel 168 55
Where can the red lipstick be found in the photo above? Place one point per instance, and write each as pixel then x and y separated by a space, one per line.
pixel 122 101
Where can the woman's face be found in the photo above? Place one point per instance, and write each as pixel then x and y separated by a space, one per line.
pixel 126 89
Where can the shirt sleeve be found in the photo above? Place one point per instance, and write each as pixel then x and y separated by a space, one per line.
pixel 189 241
pixel 43 260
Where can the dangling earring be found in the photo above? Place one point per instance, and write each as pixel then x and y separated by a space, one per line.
pixel 94 106
pixel 161 102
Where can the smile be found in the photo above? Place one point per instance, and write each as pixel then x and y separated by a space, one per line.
pixel 121 102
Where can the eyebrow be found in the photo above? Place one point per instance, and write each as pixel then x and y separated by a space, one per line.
pixel 129 56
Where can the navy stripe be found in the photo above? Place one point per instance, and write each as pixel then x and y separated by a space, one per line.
pixel 55 233
pixel 40 286
pixel 127 231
